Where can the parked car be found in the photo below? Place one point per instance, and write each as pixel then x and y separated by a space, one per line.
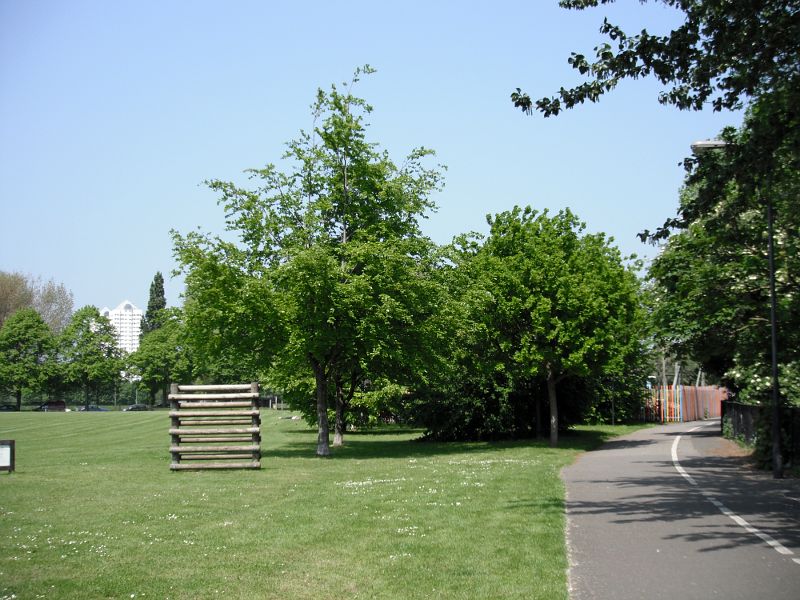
pixel 52 406
pixel 136 407
pixel 93 408
pixel 8 407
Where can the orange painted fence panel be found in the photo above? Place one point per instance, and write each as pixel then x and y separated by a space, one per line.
pixel 676 404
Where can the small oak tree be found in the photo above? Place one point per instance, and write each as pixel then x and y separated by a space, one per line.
pixel 26 349
pixel 88 351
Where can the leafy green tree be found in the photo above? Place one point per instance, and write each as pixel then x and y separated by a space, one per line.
pixel 315 284
pixel 468 393
pixel 231 320
pixel 26 349
pixel 388 303
pixel 89 353
pixel 156 303
pixel 538 310
pixel 162 357
pixel 564 305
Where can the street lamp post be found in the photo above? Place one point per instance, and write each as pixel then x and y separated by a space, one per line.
pixel 699 148
pixel 777 459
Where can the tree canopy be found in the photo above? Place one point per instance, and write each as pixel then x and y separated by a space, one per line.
pixel 15 293
pixel 541 319
pixel 27 350
pixel 563 303
pixel 89 353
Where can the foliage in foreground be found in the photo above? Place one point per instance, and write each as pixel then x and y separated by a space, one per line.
pixel 94 512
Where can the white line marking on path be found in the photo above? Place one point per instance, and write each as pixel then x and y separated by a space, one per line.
pixel 724 509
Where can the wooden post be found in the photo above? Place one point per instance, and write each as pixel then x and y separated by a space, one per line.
pixel 174 405
pixel 256 423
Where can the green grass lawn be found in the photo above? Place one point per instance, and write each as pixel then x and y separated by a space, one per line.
pixel 93 511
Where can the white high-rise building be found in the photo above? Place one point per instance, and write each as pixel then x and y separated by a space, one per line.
pixel 127 321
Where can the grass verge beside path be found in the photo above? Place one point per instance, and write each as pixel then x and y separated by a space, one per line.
pixel 94 512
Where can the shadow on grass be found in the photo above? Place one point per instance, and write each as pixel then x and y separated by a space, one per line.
pixel 389 430
pixel 378 444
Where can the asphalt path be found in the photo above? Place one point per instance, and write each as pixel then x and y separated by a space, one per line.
pixel 667 512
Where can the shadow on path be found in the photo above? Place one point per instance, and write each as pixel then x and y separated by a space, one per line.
pixel 660 494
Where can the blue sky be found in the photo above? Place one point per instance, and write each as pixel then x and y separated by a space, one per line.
pixel 112 114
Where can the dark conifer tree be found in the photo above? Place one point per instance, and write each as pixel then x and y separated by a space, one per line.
pixel 155 305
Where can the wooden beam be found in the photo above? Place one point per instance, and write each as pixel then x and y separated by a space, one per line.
pixel 215 422
pixel 217 431
pixel 207 439
pixel 240 396
pixel 185 449
pixel 236 387
pixel 230 456
pixel 215 404
pixel 214 413
pixel 200 465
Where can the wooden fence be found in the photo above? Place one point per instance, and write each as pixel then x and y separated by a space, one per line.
pixel 215 427
pixel 675 404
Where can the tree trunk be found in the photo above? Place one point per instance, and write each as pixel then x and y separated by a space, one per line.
pixel 19 399
pixel 339 424
pixel 538 404
pixel 323 443
pixel 676 381
pixel 551 394
pixel 342 405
